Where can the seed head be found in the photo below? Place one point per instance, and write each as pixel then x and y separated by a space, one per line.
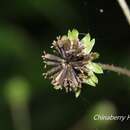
pixel 72 62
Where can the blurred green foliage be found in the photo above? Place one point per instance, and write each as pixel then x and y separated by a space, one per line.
pixel 17 91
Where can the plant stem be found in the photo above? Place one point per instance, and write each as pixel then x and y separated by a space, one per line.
pixel 125 9
pixel 116 69
pixel 21 116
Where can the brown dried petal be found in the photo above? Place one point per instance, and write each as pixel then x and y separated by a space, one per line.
pixel 53 70
pixel 74 78
pixel 59 79
pixel 52 63
pixel 52 57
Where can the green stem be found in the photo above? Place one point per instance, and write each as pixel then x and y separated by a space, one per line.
pixel 21 117
pixel 116 69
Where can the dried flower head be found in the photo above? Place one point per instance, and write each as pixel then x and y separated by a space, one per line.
pixel 72 63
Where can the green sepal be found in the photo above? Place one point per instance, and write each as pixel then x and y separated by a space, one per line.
pixel 88 43
pixel 90 82
pixel 73 35
pixel 95 67
pixel 94 78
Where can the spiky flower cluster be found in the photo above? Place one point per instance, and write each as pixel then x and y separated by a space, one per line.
pixel 72 64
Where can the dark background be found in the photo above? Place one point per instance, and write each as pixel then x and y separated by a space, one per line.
pixel 27 28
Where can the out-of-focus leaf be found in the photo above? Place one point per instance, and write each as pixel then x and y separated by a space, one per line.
pixel 17 91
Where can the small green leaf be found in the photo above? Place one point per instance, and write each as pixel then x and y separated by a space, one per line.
pixel 73 35
pixel 88 43
pixel 90 82
pixel 77 93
